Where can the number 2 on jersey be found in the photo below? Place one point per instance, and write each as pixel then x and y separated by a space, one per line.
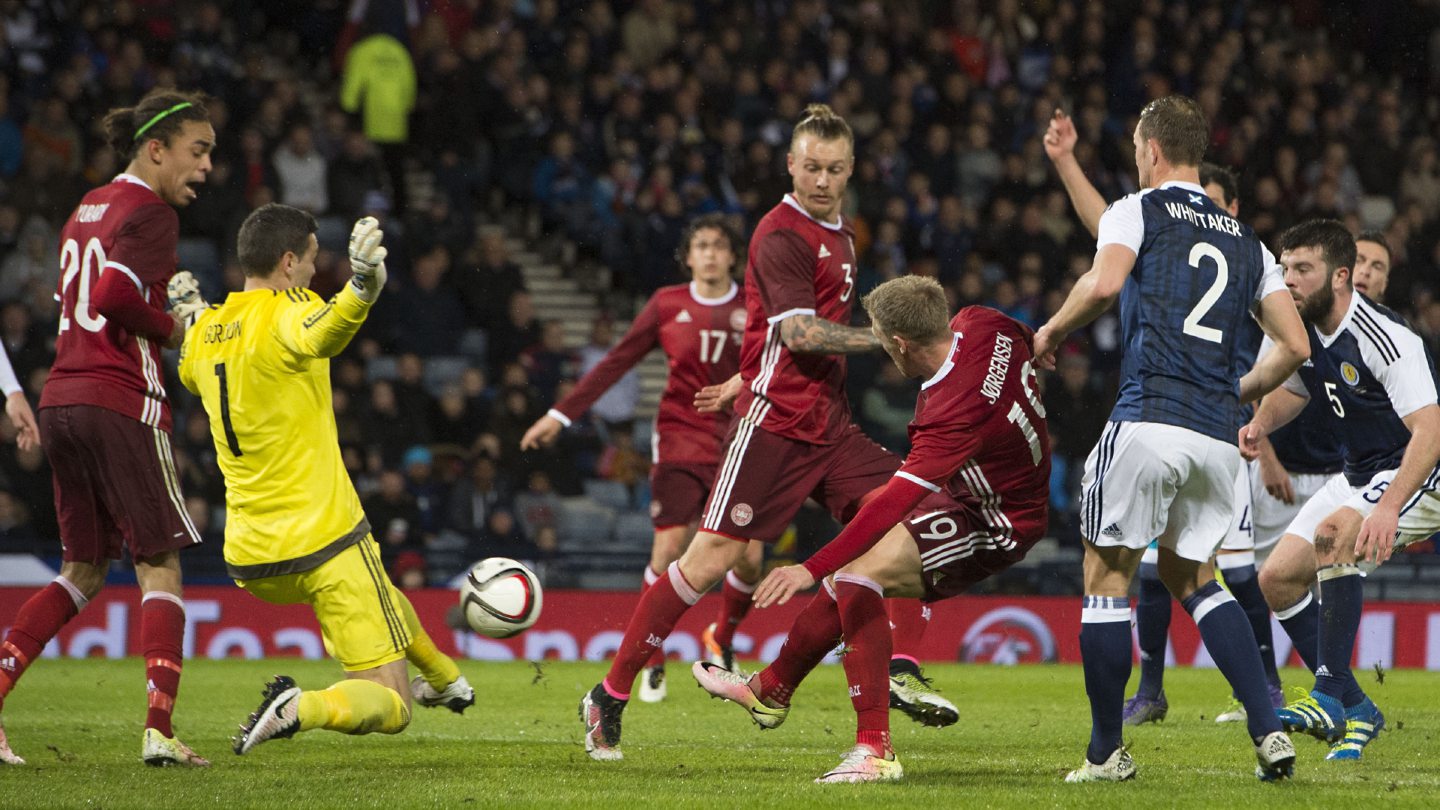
pixel 230 438
pixel 1205 250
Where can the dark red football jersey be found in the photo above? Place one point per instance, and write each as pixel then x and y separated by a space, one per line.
pixel 798 265
pixel 701 340
pixel 121 227
pixel 979 431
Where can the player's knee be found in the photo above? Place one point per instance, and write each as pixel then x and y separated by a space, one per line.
pixel 1282 584
pixel 1329 536
pixel 88 579
pixel 400 723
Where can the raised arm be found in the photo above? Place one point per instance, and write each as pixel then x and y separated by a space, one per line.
pixel 314 328
pixel 1060 139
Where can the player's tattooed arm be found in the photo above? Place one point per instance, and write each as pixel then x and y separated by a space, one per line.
pixel 811 334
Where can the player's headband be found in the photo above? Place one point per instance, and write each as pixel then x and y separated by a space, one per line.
pixel 160 115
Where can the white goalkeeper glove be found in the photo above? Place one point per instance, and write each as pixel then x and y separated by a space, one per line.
pixel 184 294
pixel 367 259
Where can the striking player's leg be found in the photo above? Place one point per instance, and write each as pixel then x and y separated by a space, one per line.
pixel 766 695
pixel 364 628
pixel 439 682
pixel 38 621
pixel 761 483
pixel 909 619
pixel 162 636
pixel 702 565
pixel 1152 630
pixel 735 593
pixel 891 567
pixel 910 691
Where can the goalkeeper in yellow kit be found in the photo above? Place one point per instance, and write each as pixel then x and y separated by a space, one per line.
pixel 294 530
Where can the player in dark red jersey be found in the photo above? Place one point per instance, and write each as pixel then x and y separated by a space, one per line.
pixel 699 326
pixel 793 437
pixel 969 502
pixel 104 418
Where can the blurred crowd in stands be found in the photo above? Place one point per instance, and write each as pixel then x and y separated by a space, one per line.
pixel 590 132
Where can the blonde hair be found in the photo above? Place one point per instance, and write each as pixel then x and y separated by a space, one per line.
pixel 913 307
pixel 822 122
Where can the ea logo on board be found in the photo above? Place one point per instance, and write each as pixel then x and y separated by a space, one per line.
pixel 1008 635
pixel 737 320
pixel 1349 374
pixel 742 514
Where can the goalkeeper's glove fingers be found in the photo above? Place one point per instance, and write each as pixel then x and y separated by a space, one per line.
pixel 183 292
pixel 367 258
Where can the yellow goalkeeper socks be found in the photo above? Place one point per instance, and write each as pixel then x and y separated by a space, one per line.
pixel 354 706
pixel 435 667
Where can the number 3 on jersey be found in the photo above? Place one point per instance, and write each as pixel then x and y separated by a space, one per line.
pixel 73 262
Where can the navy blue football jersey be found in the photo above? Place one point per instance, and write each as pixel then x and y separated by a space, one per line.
pixel 1185 310
pixel 1310 444
pixel 1371 373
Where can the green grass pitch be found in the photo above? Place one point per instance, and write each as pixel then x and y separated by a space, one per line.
pixel 78 724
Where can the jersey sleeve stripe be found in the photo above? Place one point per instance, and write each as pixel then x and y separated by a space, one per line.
pixel 129 273
pixel 558 417
pixel 1384 344
pixel 774 319
pixel 915 479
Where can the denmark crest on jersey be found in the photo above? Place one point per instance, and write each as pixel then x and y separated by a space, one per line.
pixel 742 514
pixel 737 320
pixel 1349 374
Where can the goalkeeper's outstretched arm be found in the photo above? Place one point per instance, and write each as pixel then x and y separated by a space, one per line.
pixel 316 330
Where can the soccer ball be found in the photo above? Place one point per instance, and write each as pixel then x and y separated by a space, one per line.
pixel 500 597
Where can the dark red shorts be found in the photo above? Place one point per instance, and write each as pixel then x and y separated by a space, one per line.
pixel 958 547
pixel 678 493
pixel 764 478
pixel 115 484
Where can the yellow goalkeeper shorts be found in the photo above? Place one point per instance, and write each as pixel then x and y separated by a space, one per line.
pixel 358 607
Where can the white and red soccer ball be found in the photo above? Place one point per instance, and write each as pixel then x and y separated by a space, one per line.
pixel 500 597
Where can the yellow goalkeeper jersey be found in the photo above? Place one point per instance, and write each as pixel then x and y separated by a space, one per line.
pixel 261 364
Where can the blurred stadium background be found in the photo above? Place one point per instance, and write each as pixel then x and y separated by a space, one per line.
pixel 534 162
